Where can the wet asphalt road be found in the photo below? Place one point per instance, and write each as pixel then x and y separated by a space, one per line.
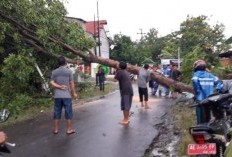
pixel 98 132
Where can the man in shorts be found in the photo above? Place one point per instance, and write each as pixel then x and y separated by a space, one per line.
pixel 143 79
pixel 63 84
pixel 126 91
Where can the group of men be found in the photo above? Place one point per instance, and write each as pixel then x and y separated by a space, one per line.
pixel 169 71
pixel 204 84
pixel 62 81
pixel 144 76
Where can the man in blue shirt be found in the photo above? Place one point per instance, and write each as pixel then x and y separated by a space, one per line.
pixel 203 84
pixel 166 72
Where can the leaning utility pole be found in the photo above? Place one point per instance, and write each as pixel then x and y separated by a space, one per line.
pixel 94 32
pixel 99 41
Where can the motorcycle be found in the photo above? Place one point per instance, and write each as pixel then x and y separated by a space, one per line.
pixel 212 138
pixel 4 115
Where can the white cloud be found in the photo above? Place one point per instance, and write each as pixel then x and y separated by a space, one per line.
pixel 128 16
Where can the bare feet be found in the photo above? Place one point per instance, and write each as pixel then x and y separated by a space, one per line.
pixel 123 122
pixel 55 131
pixel 70 132
pixel 142 105
pixel 147 107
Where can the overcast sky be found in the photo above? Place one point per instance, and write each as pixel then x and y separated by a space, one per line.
pixel 129 16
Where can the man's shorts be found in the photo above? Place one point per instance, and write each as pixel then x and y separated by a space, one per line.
pixel 126 101
pixel 59 104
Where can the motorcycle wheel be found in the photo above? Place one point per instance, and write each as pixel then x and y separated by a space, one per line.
pixel 220 150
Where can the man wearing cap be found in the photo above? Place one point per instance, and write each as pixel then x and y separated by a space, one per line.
pixel 203 85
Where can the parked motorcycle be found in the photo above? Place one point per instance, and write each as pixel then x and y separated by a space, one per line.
pixel 4 115
pixel 212 138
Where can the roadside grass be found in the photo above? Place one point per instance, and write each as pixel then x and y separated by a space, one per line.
pixel 183 118
pixel 36 110
pixel 94 90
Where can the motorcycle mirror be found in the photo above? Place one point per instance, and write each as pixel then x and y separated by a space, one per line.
pixel 4 115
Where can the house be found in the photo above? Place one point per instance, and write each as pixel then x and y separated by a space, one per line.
pixel 98 32
pixel 225 58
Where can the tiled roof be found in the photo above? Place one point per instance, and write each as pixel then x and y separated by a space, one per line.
pixel 91 24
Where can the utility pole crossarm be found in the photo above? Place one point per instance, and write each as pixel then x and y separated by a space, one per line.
pixel 141 33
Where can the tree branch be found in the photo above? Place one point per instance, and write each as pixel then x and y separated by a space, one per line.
pixel 31 36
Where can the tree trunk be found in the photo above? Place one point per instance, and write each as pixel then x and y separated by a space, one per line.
pixel 31 38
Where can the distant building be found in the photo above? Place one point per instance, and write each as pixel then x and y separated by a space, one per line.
pixel 225 58
pixel 98 32
pixel 170 61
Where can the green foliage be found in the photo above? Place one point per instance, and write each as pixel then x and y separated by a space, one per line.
pixel 134 52
pixel 19 103
pixel 45 18
pixel 16 73
pixel 222 72
pixel 92 90
pixel 124 50
pixel 22 102
pixel 187 65
pixel 183 118
pixel 84 86
pixel 197 32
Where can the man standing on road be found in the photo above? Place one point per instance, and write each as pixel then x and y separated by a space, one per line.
pixel 101 78
pixel 175 75
pixel 126 91
pixel 63 83
pixel 143 79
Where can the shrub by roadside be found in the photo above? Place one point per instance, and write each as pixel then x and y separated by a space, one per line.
pixel 183 118
pixel 38 106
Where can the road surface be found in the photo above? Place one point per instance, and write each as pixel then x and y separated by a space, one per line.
pixel 98 132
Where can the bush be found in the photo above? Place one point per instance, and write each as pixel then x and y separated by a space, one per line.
pixel 22 102
pixel 184 117
pixel 84 86
pixel 19 103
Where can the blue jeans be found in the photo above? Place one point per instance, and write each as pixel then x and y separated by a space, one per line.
pixel 59 104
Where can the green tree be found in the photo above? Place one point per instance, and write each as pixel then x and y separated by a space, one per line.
pixel 124 50
pixel 30 31
pixel 196 32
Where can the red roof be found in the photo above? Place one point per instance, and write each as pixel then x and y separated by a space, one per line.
pixel 91 24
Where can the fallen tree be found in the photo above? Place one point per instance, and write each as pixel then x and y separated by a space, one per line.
pixel 31 38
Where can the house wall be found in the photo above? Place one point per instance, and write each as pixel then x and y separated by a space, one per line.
pixel 105 51
pixel 105 48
